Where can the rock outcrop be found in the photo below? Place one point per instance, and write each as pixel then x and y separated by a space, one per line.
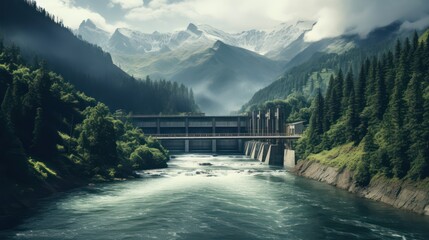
pixel 402 194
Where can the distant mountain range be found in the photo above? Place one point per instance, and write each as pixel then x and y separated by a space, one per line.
pixel 311 69
pixel 86 66
pixel 224 69
pixel 262 42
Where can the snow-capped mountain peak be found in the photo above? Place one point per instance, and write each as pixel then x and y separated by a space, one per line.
pixel 268 43
pixel 193 29
pixel 91 33
pixel 88 23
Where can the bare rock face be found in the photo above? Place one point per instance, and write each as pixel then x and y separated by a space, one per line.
pixel 402 194
pixel 341 179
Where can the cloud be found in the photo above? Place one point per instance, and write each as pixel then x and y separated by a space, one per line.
pixel 228 15
pixel 361 17
pixel 73 15
pixel 334 17
pixel 127 4
pixel 419 24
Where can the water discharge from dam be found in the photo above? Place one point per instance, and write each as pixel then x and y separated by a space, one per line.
pixel 221 197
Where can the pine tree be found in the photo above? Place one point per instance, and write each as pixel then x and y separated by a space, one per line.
pixel 422 164
pixel 361 86
pixel 398 51
pixel 352 118
pixel 389 70
pixel 328 111
pixel 380 97
pixel 414 127
pixel 347 88
pixel 6 107
pixel 425 61
pixel 316 120
pixel 38 144
pixel 398 138
pixel 417 59
pixel 339 88
pixel 371 79
pixel 415 43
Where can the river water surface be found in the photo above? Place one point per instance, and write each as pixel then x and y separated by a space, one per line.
pixel 234 198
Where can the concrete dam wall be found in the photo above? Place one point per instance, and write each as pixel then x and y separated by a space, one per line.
pixel 271 154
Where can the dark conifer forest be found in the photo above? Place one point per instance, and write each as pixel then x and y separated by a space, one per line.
pixel 41 36
pixel 382 110
pixel 49 129
pixel 348 107
pixel 53 135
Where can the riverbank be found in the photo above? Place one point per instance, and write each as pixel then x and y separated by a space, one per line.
pixel 401 194
pixel 233 198
pixel 18 201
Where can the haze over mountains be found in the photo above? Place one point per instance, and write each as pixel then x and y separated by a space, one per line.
pixel 87 67
pixel 224 69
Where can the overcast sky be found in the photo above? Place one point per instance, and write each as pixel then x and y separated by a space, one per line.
pixel 334 17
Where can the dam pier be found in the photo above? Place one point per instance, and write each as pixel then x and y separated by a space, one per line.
pixel 260 135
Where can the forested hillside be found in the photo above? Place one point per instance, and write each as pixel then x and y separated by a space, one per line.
pixel 54 137
pixel 311 69
pixel 380 114
pixel 40 36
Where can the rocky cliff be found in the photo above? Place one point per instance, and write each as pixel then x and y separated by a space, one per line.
pixel 402 194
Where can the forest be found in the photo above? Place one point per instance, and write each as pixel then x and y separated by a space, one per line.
pixel 54 137
pixel 304 77
pixel 381 111
pixel 86 66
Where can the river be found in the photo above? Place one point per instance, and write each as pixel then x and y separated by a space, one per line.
pixel 234 198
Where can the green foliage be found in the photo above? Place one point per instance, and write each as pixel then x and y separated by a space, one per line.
pixel 49 132
pixel 85 65
pixel 423 38
pixel 385 125
pixel 343 156
pixel 315 128
pixel 294 108
pixel 97 139
pixel 145 157
pixel 41 168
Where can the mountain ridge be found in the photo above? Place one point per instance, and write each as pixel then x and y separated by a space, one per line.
pixel 85 65
pixel 180 55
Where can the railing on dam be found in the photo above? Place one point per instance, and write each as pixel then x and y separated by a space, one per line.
pixel 224 136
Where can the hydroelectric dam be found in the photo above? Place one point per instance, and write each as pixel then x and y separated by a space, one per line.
pixel 261 135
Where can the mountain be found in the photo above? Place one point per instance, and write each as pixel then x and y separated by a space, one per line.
pixel 189 56
pixel 263 42
pixel 200 56
pixel 91 33
pixel 83 64
pixel 312 67
pixel 224 77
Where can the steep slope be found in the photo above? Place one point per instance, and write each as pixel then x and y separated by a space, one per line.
pixel 36 34
pixel 267 43
pixel 187 56
pixel 224 77
pixel 323 58
pixel 339 45
pixel 86 66
pixel 281 38
pixel 91 33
